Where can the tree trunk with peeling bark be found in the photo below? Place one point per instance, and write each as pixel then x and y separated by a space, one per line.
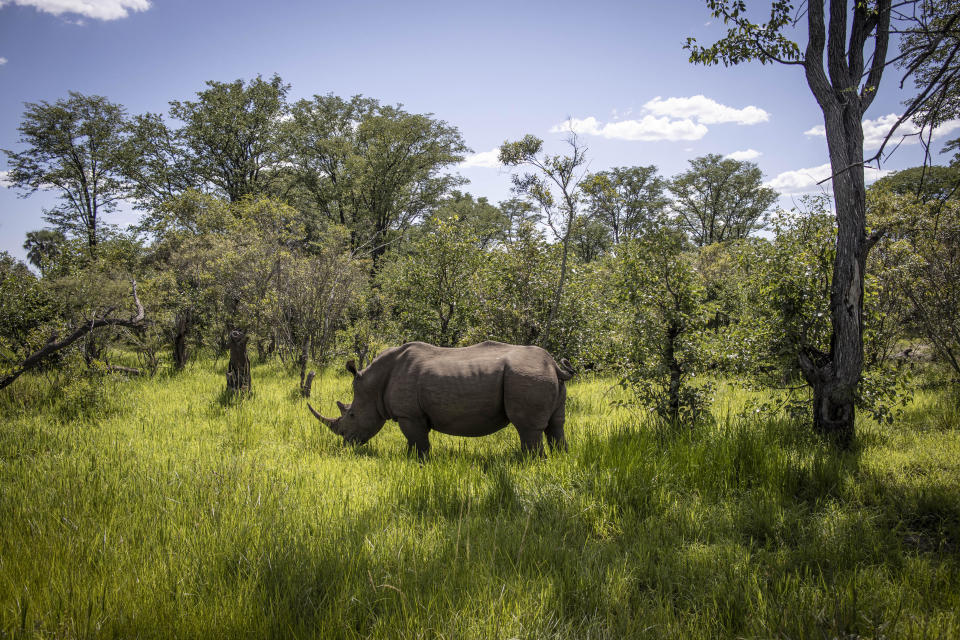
pixel 834 376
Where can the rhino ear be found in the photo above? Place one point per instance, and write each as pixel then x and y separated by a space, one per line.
pixel 343 407
pixel 352 368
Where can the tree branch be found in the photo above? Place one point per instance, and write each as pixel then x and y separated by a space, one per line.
pixel 52 346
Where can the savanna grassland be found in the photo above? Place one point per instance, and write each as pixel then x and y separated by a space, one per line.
pixel 163 508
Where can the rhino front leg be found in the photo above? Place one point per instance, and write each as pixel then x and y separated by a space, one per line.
pixel 417 435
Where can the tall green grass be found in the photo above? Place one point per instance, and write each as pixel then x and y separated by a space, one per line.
pixel 163 508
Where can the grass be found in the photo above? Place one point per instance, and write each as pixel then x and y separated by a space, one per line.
pixel 162 508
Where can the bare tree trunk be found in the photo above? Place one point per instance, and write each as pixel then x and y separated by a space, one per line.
pixel 306 384
pixel 836 375
pixel 184 323
pixel 558 292
pixel 303 359
pixel 238 369
pixel 676 373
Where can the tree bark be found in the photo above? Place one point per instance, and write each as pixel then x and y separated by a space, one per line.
pixel 303 359
pixel 676 372
pixel 306 384
pixel 835 377
pixel 238 369
pixel 182 327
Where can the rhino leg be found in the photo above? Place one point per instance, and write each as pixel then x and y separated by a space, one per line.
pixel 417 435
pixel 555 436
pixel 531 441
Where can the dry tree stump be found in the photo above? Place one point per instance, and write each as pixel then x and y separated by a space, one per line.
pixel 306 384
pixel 238 370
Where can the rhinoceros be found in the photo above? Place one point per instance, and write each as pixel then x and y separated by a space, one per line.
pixel 466 391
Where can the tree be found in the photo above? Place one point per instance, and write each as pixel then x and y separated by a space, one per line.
pixel 628 200
pixel 316 286
pixel 372 168
pixel 923 264
pixel 720 199
pixel 25 306
pixel 223 260
pixel 101 317
pixel 929 48
pixel 230 135
pixel 560 172
pixel 76 147
pixel 43 247
pixel 854 40
pixel 517 283
pixel 433 289
pixel 487 224
pixel 665 293
pixel 589 238
pixel 928 183
pixel 520 213
pixel 159 166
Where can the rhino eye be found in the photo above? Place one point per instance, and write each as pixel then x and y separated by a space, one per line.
pixel 350 414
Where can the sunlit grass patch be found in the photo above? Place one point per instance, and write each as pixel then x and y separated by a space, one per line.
pixel 176 513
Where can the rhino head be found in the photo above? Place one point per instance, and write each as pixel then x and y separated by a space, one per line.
pixel 360 420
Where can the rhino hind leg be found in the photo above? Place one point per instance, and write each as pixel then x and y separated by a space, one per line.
pixel 531 441
pixel 418 436
pixel 555 435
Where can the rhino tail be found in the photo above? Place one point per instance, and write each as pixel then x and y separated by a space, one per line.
pixel 565 370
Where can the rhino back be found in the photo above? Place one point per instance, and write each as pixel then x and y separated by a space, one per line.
pixel 471 391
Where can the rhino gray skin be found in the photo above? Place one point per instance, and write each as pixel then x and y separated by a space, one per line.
pixel 467 391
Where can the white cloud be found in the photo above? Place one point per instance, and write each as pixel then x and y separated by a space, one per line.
pixel 96 9
pixel 805 180
pixel 487 159
pixel 4 179
pixel 647 128
pixel 3 61
pixel 671 119
pixel 746 154
pixel 705 111
pixel 874 131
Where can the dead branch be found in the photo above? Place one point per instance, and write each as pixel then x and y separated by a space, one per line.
pixel 54 345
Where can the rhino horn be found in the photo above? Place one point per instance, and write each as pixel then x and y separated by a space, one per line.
pixel 327 421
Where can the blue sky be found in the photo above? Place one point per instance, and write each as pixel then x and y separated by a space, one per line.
pixel 496 70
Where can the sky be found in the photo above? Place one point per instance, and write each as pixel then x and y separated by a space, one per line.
pixel 616 72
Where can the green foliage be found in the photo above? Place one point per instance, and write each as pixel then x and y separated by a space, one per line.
pixel 926 183
pixel 670 313
pixel 630 201
pixel 25 308
pixel 563 174
pixel 589 238
pixel 76 147
pixel 373 168
pixel 785 287
pixel 747 40
pixel 517 286
pixel 922 266
pixel 43 247
pixel 720 199
pixel 231 134
pixel 434 288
